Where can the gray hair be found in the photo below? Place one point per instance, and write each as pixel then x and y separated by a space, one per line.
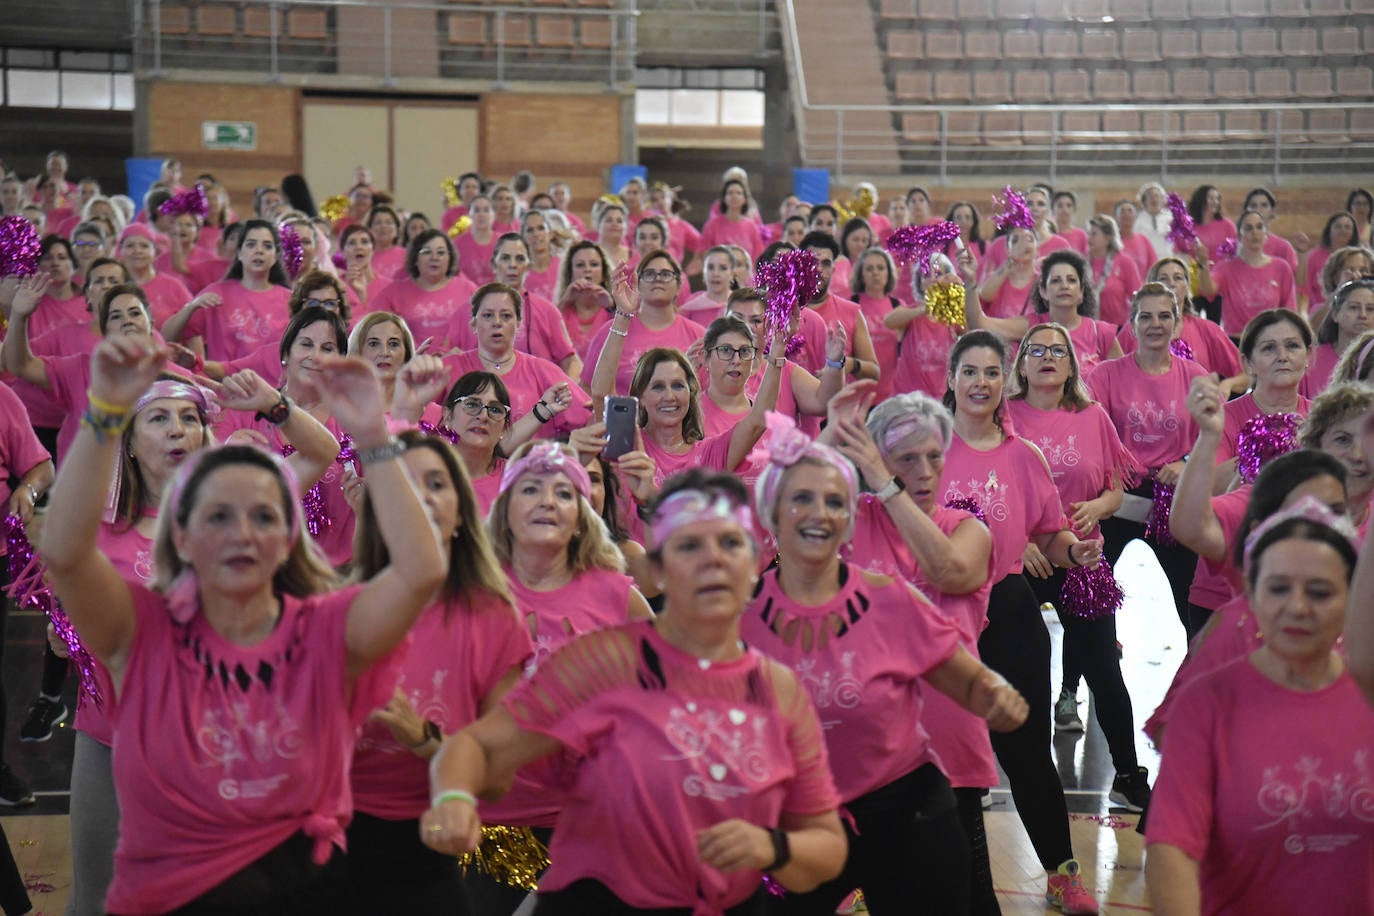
pixel 915 412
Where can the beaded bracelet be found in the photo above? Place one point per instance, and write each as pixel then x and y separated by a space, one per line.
pixel 107 421
pixel 618 332
pixel 621 313
pixel 449 795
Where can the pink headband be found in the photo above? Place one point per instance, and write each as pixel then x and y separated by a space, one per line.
pixel 1310 508
pixel 907 426
pixel 203 398
pixel 183 595
pixel 141 230
pixel 688 506
pixel 547 458
pixel 786 446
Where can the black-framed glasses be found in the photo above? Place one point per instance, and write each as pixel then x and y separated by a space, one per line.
pixel 331 304
pixel 1039 351
pixel 658 276
pixel 728 353
pixel 473 407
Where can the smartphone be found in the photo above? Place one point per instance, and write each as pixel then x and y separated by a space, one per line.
pixel 622 418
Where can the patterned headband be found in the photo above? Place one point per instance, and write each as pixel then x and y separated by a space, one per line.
pixel 688 506
pixel 547 458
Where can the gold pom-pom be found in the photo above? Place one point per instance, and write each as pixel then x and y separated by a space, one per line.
pixel 334 208
pixel 511 855
pixel 864 204
pixel 945 304
pixel 460 226
pixel 450 186
pixel 843 210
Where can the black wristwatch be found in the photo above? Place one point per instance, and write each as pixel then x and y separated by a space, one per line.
pixel 432 733
pixel 277 413
pixel 782 850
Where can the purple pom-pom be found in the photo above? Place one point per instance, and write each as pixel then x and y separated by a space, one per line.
pixel 20 247
pixel 1012 210
pixel 1263 438
pixel 1182 234
pixel 192 201
pixel 1157 524
pixel 969 505
pixel 773 886
pixel 439 431
pixel 1091 592
pixel 1227 250
pixel 340 262
pixel 1182 349
pixel 916 244
pixel 792 279
pixel 292 253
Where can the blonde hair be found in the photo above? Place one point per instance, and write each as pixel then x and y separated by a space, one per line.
pixel 1075 395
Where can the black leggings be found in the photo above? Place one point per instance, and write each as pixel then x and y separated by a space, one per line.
pixel 1090 651
pixel 1179 563
pixel 592 898
pixel 982 895
pixel 1016 644
pixel 388 869
pixel 910 846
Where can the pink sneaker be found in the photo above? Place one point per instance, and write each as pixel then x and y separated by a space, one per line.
pixel 1066 892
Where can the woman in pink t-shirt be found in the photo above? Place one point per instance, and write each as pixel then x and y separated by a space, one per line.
pixel 1004 291
pixel 256 758
pixel 167 292
pixel 432 293
pixel 1242 823
pixel 474 245
pixel 716 751
pixel 923 358
pixel 855 238
pixel 178 261
pixel 245 310
pixel 862 643
pixel 1339 232
pixel 363 280
pixel 1046 241
pixel 1135 246
pixel 584 294
pixel 544 263
pixel 611 226
pixel 1250 282
pixel 465 652
pixel 389 254
pixel 1146 395
pixel 1061 294
pixel 1007 479
pixel 1115 276
pixel 1050 407
pixel 1212 227
pixel 709 304
pixel 1350 315
pixel 1199 339
pixel 872 280
pixel 469 186
pixel 732 225
pixel 62 302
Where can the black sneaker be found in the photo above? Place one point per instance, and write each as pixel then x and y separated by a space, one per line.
pixel 14 792
pixel 44 714
pixel 1131 790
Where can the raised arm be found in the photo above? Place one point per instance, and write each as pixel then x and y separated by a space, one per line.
pixel 316 447
pixel 1191 519
pixel 865 359
pixel 386 607
pixel 608 361
pixel 750 428
pixel 16 355
pixel 813 395
pixel 94 595
pixel 1206 283
pixel 1013 328
pixel 174 327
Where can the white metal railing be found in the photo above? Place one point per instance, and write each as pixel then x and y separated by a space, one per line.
pixel 276 53
pixel 1289 140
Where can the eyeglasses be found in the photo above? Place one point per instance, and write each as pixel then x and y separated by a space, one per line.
pixel 1038 351
pixel 473 407
pixel 728 353
pixel 658 276
pixel 85 244
pixel 322 304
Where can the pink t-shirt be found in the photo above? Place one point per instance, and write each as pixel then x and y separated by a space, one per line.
pixel 131 554
pixel 1246 291
pixel 222 752
pixel 594 600
pixel 331 523
pixel 527 379
pixel 1149 411
pixel 682 237
pixel 958 738
pixel 1011 300
pixel 1076 237
pixel 203 273
pixel 1231 633
pixel 1093 340
pixel 687 745
pixel 812 328
pixel 244 321
pixel 1212 349
pixel 1238 412
pixel 702 309
pixel 712 453
pixel 1012 485
pixel 374 289
pixel 1320 368
pixel 164 266
pixel 861 657
pixel 265 361
pixel 63 340
pixel 544 282
pixel 389 262
pixel 1269 820
pixel 1215 232
pixel 488 486
pixel 996 253
pixel 428 313
pixel 847 313
pixel 1082 447
pixel 1278 247
pixel 70 377
pixel 839 278
pixel 1316 263
pixel 581 336
pixel 458 653
pixel 923 364
pixel 167 294
pixel 680 335
pixel 541 331
pixel 721 230
pixel 474 258
pixel 52 313
pixel 1114 295
pixel 1140 251
pixel 20 450
pixel 885 342
pixel 1218 581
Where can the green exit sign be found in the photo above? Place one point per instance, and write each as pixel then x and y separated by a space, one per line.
pixel 229 135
